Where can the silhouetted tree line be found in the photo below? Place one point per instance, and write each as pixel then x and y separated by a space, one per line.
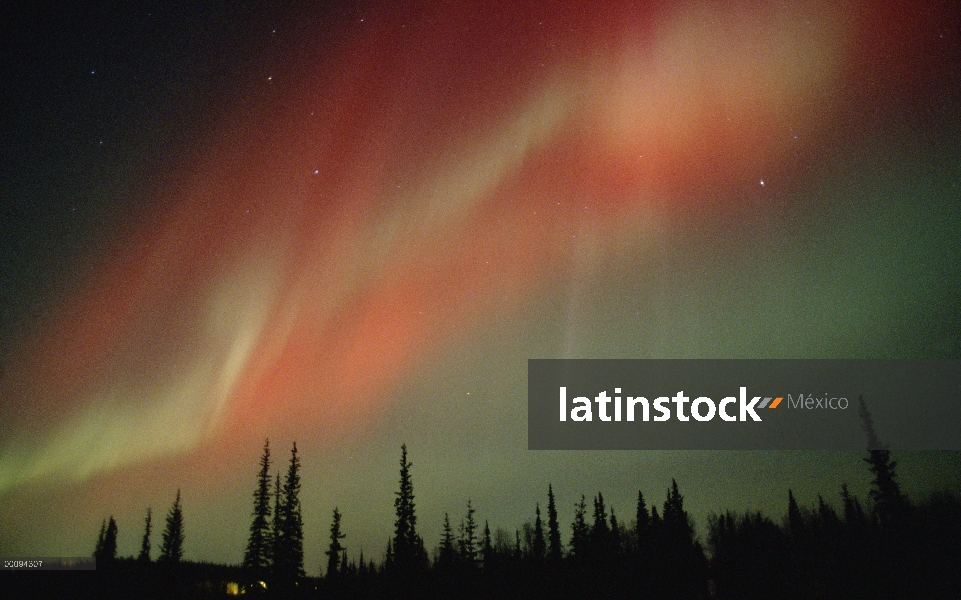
pixel 885 548
pixel 891 549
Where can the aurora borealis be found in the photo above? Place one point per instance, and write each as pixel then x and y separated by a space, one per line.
pixel 351 225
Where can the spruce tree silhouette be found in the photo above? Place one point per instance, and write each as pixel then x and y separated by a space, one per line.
pixel 107 549
pixel 538 546
pixel 615 537
pixel 642 527
pixel 468 538
pixel 889 503
pixel 600 536
pixel 447 554
pixel 335 549
pixel 258 552
pixel 674 515
pixel 580 532
pixel 362 568
pixel 827 515
pixel 487 550
pixel 643 547
pixel 103 532
pixel 276 525
pixel 795 523
pixel 847 501
pixel 172 548
pixel 554 548
pixel 407 546
pixel 144 555
pixel 684 568
pixel 289 549
pixel 676 524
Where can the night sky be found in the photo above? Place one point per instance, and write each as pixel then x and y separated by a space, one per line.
pixel 350 224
